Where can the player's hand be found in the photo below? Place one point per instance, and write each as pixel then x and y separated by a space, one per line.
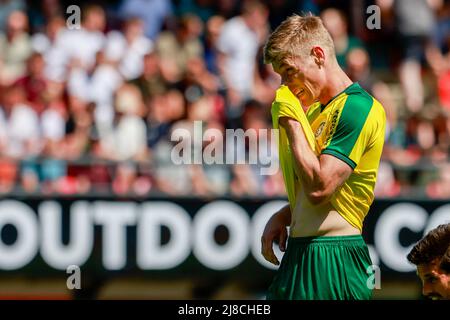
pixel 275 231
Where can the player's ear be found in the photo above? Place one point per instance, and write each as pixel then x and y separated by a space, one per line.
pixel 319 55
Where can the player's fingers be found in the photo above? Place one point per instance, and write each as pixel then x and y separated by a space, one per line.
pixel 267 250
pixel 282 240
pixel 264 251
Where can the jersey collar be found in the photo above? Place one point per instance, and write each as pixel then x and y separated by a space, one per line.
pixel 354 86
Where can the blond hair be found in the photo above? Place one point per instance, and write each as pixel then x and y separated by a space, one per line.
pixel 296 36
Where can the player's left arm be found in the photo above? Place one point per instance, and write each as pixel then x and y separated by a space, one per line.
pixel 320 176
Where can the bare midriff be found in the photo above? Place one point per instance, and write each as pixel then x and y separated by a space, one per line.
pixel 318 220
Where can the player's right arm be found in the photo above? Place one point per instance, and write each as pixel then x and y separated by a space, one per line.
pixel 320 176
pixel 275 230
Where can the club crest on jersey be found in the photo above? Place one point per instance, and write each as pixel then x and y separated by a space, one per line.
pixel 319 129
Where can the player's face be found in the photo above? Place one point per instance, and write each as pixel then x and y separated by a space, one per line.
pixel 435 282
pixel 303 77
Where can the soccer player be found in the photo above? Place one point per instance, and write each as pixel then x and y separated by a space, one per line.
pixel 330 183
pixel 431 255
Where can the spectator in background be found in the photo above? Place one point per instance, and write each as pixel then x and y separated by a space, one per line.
pixel 217 174
pixel 44 40
pixel 247 179
pixel 336 23
pixel 46 43
pixel 19 126
pixel 204 178
pixel 6 8
pixel 79 125
pixel 438 55
pixel 431 255
pixel 151 81
pixel 15 48
pixel 21 132
pixel 213 28
pixel 175 49
pixel 53 166
pixel 8 175
pixel 441 152
pixel 97 87
pixel 154 13
pixel 440 187
pixel 265 82
pixel 53 119
pixel 204 9
pixel 402 147
pixel 41 12
pixel 227 8
pixel 243 182
pixel 414 145
pixel 79 47
pixel 192 178
pixel 162 115
pixel 124 178
pixel 415 22
pixel 126 50
pixel 127 139
pixel 34 82
pixel 387 184
pixel 426 137
pixel 170 178
pixel 238 44
pixel 198 82
pixel 359 70
pixel 274 185
pixel 100 175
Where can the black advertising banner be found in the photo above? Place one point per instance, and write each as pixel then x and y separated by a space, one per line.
pixel 167 237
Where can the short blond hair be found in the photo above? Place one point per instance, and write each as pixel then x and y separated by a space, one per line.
pixel 296 36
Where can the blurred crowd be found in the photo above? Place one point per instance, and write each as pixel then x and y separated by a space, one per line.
pixel 90 108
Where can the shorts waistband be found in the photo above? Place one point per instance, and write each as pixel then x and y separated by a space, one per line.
pixel 345 240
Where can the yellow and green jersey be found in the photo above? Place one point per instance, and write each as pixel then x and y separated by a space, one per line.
pixel 350 127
